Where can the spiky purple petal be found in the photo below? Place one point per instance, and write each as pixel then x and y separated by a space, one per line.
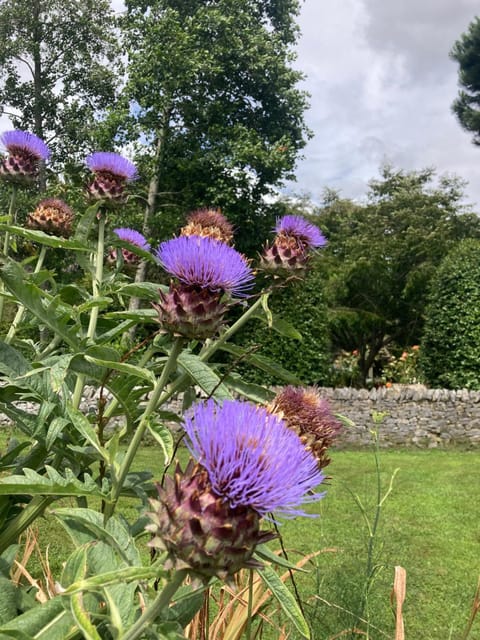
pixel 109 162
pixel 206 263
pixel 132 236
pixel 299 228
pixel 253 459
pixel 26 142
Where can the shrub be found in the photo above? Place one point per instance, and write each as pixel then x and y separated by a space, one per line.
pixel 450 353
pixel 302 305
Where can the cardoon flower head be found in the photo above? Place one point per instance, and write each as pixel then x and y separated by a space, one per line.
pixel 210 223
pixel 25 151
pixel 249 464
pixel 112 172
pixel 310 416
pixel 130 259
pixel 291 248
pixel 52 216
pixel 205 270
pixel 305 232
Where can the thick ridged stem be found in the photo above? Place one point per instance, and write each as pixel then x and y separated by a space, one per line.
pixel 248 630
pixel 113 404
pixel 21 309
pixel 23 520
pixel 161 602
pixel 208 351
pixel 6 241
pixel 96 286
pixel 134 445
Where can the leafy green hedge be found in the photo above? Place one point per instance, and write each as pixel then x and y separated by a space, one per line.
pixel 450 354
pixel 302 305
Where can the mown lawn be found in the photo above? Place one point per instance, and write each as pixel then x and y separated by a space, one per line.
pixel 430 525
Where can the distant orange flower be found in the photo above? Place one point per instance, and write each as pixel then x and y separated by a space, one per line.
pixel 388 385
pixel 416 347
pixel 404 355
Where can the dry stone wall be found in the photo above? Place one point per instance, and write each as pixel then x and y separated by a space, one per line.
pixel 412 415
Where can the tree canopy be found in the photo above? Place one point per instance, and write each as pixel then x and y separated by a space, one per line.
pixel 212 105
pixel 56 71
pixel 466 51
pixel 382 255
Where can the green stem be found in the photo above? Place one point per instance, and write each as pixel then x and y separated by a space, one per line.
pixel 96 286
pixel 160 603
pixel 97 280
pixel 140 430
pixel 248 630
pixel 21 309
pixel 208 350
pixel 33 510
pixel 6 242
pixel 113 404
pixel 11 217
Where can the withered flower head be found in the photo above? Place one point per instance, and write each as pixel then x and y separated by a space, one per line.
pixel 310 416
pixel 52 216
pixel 208 222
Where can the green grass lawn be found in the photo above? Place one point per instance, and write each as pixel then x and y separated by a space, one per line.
pixel 429 525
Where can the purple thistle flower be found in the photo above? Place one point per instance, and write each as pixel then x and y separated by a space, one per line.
pixel 132 236
pixel 112 163
pixel 205 263
pixel 26 143
pixel 252 458
pixel 306 232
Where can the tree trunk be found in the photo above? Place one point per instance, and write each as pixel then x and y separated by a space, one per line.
pixel 151 205
pixel 37 87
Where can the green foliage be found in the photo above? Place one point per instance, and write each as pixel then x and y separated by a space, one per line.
pixel 305 353
pixel 217 117
pixel 466 52
pixel 451 342
pixel 56 61
pixel 382 255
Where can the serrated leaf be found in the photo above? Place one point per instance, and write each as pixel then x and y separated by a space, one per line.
pixel 164 438
pixel 55 428
pixel 262 552
pixel 145 290
pixel 58 372
pixel 86 525
pixel 261 362
pixel 203 376
pixel 285 599
pixel 141 315
pixel 254 392
pixel 31 297
pixel 12 362
pixel 124 367
pixel 85 223
pixel 101 303
pixel 83 426
pixel 50 484
pixel 39 622
pixel 44 238
pixel 266 309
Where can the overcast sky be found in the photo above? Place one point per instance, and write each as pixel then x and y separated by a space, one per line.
pixel 382 85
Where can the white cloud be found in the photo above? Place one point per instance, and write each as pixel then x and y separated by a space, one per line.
pixel 382 85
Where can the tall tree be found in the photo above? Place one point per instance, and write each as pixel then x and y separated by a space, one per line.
pixel 382 255
pixel 212 105
pixel 466 51
pixel 56 71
